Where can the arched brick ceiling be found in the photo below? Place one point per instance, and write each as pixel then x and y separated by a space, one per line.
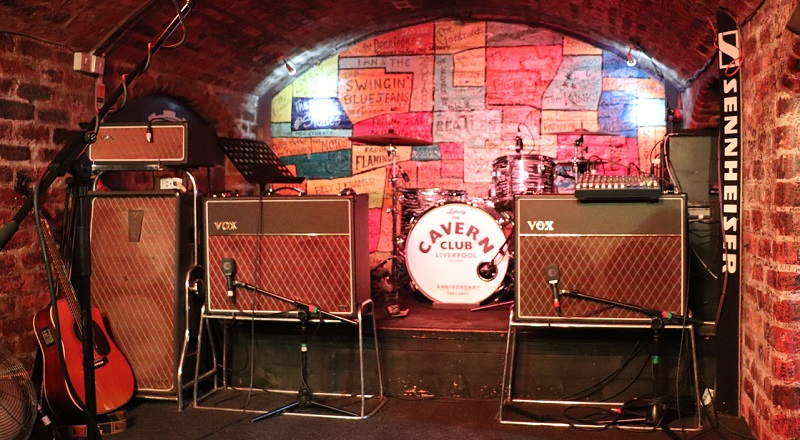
pixel 237 44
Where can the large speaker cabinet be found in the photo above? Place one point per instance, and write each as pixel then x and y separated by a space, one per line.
pixel 313 249
pixel 694 161
pixel 142 247
pixel 633 252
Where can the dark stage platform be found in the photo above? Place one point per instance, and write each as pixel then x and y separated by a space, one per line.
pixel 423 316
pixel 429 419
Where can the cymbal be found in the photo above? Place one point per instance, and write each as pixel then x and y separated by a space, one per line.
pixel 584 132
pixel 389 138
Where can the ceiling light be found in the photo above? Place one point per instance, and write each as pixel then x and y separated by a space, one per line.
pixel 629 59
pixel 290 69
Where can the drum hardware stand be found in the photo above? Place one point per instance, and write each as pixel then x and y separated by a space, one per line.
pixel 577 156
pixel 391 140
pixel 654 416
pixel 393 301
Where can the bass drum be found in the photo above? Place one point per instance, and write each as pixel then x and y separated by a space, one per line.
pixel 415 201
pixel 445 248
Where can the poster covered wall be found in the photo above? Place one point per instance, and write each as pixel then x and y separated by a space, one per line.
pixel 468 89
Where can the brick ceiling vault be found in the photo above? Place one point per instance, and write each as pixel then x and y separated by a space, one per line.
pixel 237 44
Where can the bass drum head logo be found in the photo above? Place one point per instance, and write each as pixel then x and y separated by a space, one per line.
pixel 444 249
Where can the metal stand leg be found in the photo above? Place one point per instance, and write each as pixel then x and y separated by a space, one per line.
pixel 508 367
pixel 697 395
pixel 381 398
pixel 204 328
pixel 304 395
pixel 507 391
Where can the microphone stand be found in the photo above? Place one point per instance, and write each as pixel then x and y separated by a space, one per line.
pixel 658 319
pixel 305 396
pixel 65 160
pixel 491 266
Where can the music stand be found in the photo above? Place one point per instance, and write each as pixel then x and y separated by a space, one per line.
pixel 257 163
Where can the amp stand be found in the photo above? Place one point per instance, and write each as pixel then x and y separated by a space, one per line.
pixel 305 396
pixel 655 405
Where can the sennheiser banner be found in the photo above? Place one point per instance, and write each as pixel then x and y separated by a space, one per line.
pixel 730 161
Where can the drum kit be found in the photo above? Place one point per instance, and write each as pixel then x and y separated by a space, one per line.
pixel 453 248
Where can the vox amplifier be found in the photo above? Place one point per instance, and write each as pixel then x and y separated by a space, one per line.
pixel 313 249
pixel 632 252
pixel 141 145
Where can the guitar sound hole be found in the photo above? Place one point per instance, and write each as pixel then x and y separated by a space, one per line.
pixel 101 346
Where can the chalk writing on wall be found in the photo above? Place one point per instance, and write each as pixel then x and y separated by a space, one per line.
pixel 468 89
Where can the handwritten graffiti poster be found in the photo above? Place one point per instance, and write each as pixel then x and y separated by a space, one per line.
pixel 465 91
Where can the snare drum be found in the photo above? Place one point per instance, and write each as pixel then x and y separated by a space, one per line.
pixel 519 174
pixel 446 246
pixel 415 201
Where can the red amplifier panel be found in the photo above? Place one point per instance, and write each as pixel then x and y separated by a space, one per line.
pixel 129 143
pixel 313 249
pixel 632 252
pixel 138 145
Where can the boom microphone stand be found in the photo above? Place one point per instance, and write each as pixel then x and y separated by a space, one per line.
pixel 656 404
pixel 64 161
pixel 305 396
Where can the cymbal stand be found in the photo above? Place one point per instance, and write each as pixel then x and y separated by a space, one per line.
pixel 577 156
pixel 394 294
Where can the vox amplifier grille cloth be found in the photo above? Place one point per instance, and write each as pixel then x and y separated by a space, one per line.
pixel 633 252
pixel 135 281
pixel 312 249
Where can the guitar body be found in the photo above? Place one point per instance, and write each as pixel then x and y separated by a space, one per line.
pixel 114 382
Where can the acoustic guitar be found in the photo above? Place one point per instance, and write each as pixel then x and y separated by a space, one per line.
pixel 114 381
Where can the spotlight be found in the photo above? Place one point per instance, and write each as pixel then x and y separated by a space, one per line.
pixel 290 69
pixel 629 59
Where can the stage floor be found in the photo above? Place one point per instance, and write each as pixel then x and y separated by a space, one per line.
pixel 426 317
pixel 429 419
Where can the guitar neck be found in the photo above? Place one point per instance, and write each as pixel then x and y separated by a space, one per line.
pixel 61 276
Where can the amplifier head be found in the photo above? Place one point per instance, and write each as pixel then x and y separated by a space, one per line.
pixel 632 252
pixel 312 249
pixel 141 145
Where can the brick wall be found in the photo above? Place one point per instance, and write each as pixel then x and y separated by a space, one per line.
pixel 233 114
pixel 41 102
pixel 770 321
pixel 701 101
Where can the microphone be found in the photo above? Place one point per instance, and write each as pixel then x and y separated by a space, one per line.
pixel 552 274
pixel 228 266
pixel 518 143
pixel 487 271
pixel 148 135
